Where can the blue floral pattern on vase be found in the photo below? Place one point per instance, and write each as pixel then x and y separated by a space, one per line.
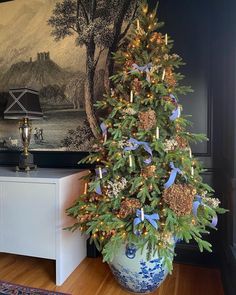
pixel 135 273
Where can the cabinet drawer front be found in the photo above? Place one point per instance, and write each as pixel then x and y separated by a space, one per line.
pixel 28 219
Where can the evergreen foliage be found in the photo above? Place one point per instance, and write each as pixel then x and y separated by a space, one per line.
pixel 132 180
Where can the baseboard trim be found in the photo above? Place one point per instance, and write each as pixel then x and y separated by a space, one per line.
pixel 190 254
pixel 228 270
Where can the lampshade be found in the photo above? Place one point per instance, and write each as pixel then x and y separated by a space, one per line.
pixel 23 103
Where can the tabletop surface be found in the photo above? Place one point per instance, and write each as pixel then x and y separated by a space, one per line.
pixel 7 173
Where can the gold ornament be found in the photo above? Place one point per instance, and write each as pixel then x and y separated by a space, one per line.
pixel 137 85
pixel 85 217
pixel 182 142
pixel 128 64
pixel 147 120
pixel 180 197
pixel 148 171
pixel 129 206
pixel 169 77
pixel 157 37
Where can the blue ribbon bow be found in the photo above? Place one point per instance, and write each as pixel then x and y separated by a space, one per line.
pixel 104 129
pixel 151 218
pixel 176 112
pixel 98 189
pixel 135 144
pixel 173 175
pixel 198 203
pixel 146 68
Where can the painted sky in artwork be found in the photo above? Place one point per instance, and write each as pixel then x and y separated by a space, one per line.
pixel 24 32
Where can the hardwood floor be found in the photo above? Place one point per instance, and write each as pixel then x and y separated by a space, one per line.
pixel 93 277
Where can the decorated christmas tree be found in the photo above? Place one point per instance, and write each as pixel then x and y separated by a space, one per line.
pixel 146 188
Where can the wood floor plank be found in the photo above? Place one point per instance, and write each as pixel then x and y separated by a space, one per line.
pixel 92 277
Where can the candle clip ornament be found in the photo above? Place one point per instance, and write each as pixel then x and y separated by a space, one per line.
pixel 142 215
pixel 157 133
pixel 130 161
pixel 190 153
pixel 85 188
pixel 192 171
pixel 163 74
pixel 100 172
pixel 131 96
pixel 166 39
pixel 138 24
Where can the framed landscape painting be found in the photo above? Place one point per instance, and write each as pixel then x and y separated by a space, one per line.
pixel 30 57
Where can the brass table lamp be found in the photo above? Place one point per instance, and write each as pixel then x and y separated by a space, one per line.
pixel 23 104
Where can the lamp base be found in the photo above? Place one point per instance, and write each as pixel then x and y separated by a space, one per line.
pixel 26 162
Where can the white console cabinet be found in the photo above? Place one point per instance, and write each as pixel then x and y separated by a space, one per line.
pixel 33 218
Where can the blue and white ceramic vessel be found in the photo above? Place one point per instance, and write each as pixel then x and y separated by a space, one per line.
pixel 133 272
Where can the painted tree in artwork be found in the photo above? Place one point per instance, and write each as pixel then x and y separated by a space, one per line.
pixel 98 25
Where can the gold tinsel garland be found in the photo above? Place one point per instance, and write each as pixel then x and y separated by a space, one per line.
pixel 180 197
pixel 147 120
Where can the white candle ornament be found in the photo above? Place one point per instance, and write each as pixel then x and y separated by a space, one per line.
pixel 192 171
pixel 130 161
pixel 166 39
pixel 163 74
pixel 138 25
pixel 85 187
pixel 131 96
pixel 190 153
pixel 100 172
pixel 142 214
pixel 157 133
pixel 105 138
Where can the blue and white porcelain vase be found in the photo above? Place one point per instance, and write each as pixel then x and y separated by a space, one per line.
pixel 135 273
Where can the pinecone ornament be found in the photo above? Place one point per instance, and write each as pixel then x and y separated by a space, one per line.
pixel 147 120
pixel 180 197
pixel 129 206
